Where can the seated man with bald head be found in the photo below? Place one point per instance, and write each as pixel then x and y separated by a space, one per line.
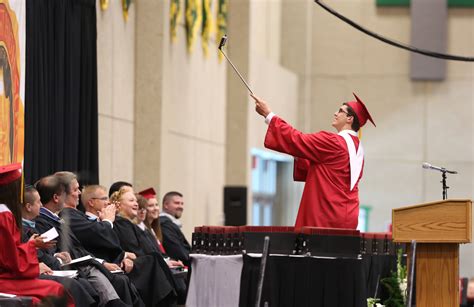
pixel 56 193
pixel 99 222
pixel 53 194
pixel 80 289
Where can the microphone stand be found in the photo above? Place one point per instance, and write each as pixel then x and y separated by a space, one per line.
pixel 445 186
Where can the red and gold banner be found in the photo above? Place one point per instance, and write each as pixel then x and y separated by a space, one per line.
pixel 12 80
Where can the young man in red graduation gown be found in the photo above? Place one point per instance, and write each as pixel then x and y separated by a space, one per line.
pixel 331 164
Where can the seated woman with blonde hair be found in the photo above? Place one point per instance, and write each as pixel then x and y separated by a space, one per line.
pixel 133 239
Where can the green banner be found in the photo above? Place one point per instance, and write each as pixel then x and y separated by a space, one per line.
pixel 221 22
pixel 207 25
pixel 451 3
pixel 193 15
pixel 174 18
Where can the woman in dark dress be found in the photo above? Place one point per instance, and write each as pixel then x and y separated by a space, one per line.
pixel 133 239
pixel 148 221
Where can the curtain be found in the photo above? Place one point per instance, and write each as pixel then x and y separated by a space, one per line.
pixel 61 117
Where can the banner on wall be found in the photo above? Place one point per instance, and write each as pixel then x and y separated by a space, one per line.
pixel 221 21
pixel 12 81
pixel 104 4
pixel 125 7
pixel 174 18
pixel 207 25
pixel 193 15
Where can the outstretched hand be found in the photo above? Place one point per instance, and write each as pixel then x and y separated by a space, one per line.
pixel 261 106
pixel 39 242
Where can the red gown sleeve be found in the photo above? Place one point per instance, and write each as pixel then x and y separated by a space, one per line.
pixel 315 147
pixel 300 169
pixel 17 261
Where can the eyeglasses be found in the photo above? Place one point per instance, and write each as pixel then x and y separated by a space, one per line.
pixel 341 110
pixel 142 210
pixel 105 198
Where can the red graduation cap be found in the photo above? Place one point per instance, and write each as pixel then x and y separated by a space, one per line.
pixel 361 111
pixel 148 193
pixel 10 173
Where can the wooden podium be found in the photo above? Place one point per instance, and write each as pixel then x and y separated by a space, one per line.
pixel 438 228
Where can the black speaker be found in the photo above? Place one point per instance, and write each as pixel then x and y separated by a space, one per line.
pixel 235 205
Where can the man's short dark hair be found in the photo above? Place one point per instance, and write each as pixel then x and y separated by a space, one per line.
pixel 170 195
pixel 355 123
pixel 28 198
pixel 117 185
pixel 48 186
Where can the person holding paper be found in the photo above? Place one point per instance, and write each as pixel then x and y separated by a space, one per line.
pixel 99 222
pixel 330 164
pixel 19 266
pixel 53 195
pixel 80 289
pixel 29 211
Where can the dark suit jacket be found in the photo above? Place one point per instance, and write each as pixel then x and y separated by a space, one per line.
pixel 151 274
pixel 43 256
pixel 67 241
pixel 174 242
pixel 97 237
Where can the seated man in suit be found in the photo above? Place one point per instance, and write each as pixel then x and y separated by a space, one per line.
pixel 176 245
pixel 80 289
pixel 19 267
pixel 113 290
pixel 99 223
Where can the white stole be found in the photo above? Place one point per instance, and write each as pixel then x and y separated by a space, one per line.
pixel 356 158
pixel 4 208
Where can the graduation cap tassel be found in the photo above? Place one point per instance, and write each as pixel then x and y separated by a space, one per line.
pixel 22 186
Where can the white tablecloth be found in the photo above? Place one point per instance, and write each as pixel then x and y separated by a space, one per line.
pixel 215 281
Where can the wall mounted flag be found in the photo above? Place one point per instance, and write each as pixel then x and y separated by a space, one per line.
pixel 174 18
pixel 104 4
pixel 125 6
pixel 12 80
pixel 221 22
pixel 207 25
pixel 193 20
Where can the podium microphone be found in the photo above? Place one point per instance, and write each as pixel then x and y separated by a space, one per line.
pixel 221 45
pixel 426 165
